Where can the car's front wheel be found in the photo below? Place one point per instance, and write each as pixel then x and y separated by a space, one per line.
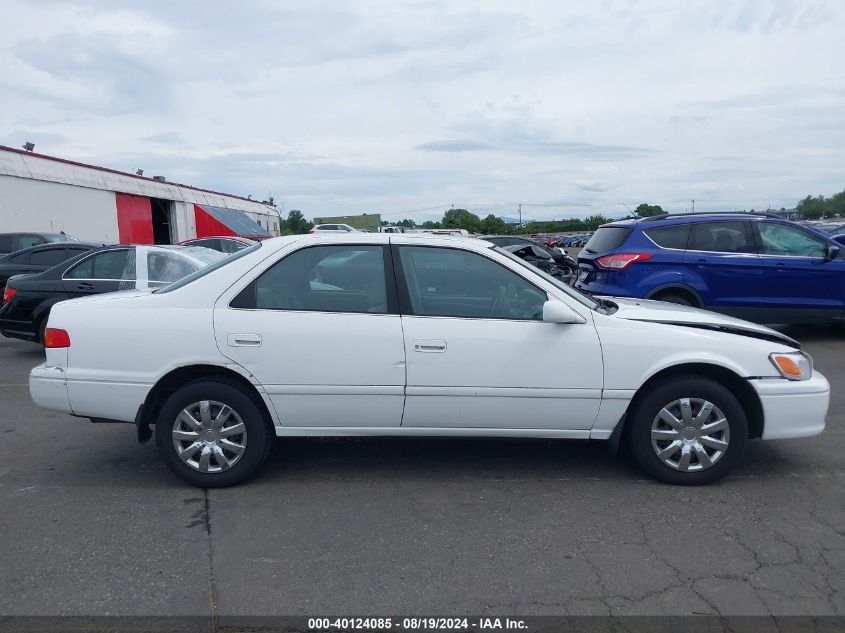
pixel 688 431
pixel 212 435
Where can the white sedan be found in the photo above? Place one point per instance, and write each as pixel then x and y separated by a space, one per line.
pixel 415 335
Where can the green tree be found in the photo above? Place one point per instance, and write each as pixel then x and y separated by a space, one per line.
pixel 408 224
pixel 647 210
pixel 572 225
pixel 836 203
pixel 491 225
pixel 461 219
pixel 595 221
pixel 296 222
pixel 431 224
pixel 813 208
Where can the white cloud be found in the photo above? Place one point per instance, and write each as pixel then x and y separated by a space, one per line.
pixel 388 106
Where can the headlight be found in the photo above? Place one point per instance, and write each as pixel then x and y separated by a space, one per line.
pixel 793 365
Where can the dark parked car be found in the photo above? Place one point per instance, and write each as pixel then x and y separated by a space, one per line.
pixel 225 243
pixel 537 257
pixel 562 260
pixel 754 266
pixel 11 242
pixel 836 230
pixel 27 299
pixel 39 258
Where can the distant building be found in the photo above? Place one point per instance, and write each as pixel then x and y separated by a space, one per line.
pixel 364 222
pixel 49 194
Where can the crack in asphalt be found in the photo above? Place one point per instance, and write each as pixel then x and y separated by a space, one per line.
pixel 212 583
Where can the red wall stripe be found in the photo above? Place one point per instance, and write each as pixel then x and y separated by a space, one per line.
pixel 208 225
pixel 134 219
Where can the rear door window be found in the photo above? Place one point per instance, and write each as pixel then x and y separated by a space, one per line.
pixel 606 238
pixel 322 279
pixel 670 236
pixel 721 237
pixel 116 264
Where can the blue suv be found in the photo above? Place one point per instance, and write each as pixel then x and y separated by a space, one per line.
pixel 754 266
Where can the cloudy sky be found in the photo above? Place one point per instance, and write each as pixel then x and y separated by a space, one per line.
pixel 407 108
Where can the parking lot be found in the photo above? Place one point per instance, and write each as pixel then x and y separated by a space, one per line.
pixel 93 523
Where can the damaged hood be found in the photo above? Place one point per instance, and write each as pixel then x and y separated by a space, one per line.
pixel 673 314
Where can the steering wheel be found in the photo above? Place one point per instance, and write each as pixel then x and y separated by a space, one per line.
pixel 498 302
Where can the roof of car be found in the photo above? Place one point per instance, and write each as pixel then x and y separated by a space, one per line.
pixel 63 245
pixel 695 217
pixel 50 246
pixel 372 238
pixel 234 238
pixel 35 233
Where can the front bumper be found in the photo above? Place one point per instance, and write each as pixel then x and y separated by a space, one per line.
pixel 793 408
pixel 48 388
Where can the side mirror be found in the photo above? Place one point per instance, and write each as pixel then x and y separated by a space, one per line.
pixel 832 252
pixel 558 312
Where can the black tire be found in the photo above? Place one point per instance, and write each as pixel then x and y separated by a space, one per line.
pixel 42 330
pixel 258 440
pixel 680 299
pixel 639 430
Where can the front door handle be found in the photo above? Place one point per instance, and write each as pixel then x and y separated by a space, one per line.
pixel 84 286
pixel 430 345
pixel 244 340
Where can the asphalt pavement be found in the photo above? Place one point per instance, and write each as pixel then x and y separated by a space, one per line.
pixel 94 524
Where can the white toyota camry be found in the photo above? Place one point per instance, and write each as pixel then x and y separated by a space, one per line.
pixel 412 335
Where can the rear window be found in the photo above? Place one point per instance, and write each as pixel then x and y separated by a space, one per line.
pixel 202 272
pixel 49 256
pixel 670 236
pixel 606 238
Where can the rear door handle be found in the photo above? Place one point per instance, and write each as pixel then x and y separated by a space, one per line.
pixel 84 286
pixel 244 340
pixel 430 345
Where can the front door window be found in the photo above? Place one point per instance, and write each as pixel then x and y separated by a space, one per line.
pixel 457 283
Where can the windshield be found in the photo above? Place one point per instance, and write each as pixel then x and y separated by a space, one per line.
pixel 202 272
pixel 557 283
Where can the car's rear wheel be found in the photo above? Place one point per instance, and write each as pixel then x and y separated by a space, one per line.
pixel 212 435
pixel 688 431
pixel 42 332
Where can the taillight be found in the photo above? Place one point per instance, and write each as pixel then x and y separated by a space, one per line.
pixel 54 337
pixel 622 260
pixel 8 293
